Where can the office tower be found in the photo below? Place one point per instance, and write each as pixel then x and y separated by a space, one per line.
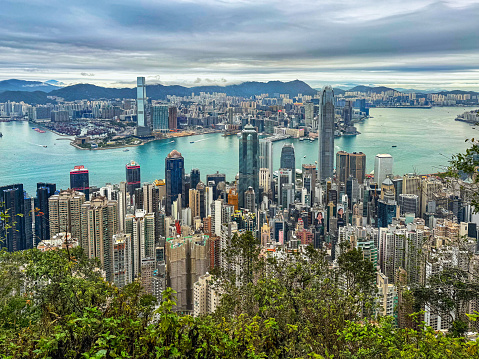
pixel 13 235
pixel 217 178
pixel 387 210
pixel 194 177
pixel 141 227
pixel 352 190
pixel 250 199
pixel 200 200
pixel 174 174
pixel 288 159
pixel 65 213
pixel 383 166
pixel 99 222
pixel 122 271
pixel 308 114
pixel 285 177
pixel 79 181
pixel 326 134
pixel 159 118
pixel 266 154
pixel 430 187
pixel 133 179
pixel 248 163
pixel 42 223
pixel 310 170
pixel 409 203
pixel 141 101
pixel 264 179
pixel 411 184
pixel 172 118
pixel 342 166
pixel 186 260
pixel 348 112
pixel 357 166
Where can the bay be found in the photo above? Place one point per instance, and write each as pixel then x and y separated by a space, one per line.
pixel 425 139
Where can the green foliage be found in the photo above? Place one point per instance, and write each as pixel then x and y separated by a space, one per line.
pixel 292 305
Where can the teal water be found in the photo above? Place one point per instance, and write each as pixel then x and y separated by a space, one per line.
pixel 425 140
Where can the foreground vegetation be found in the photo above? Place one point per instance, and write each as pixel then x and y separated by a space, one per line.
pixel 56 305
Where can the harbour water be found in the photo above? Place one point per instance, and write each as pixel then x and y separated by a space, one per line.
pixel 425 139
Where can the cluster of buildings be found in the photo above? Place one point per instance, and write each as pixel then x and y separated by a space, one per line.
pixel 172 232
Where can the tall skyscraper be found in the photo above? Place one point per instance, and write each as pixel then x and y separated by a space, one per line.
pixel 79 181
pixel 42 223
pixel 99 223
pixel 174 174
pixel 159 118
pixel 342 166
pixel 348 113
pixel 350 164
pixel 141 101
pixel 288 159
pixel 308 114
pixel 326 134
pixel 173 118
pixel 12 227
pixel 248 163
pixel 133 179
pixel 383 166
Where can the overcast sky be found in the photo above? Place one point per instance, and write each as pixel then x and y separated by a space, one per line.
pixel 405 44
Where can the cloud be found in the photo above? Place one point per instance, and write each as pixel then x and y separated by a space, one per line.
pixel 212 41
pixel 87 74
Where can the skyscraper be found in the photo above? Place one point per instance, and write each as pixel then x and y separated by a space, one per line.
pixel 216 178
pixel 159 118
pixel 141 101
pixel 99 222
pixel 287 157
pixel 194 177
pixel 174 174
pixel 326 134
pixel 79 181
pixel 383 166
pixel 64 213
pixel 266 154
pixel 350 164
pixel 12 227
pixel 42 224
pixel 133 179
pixel 172 118
pixel 348 113
pixel 248 163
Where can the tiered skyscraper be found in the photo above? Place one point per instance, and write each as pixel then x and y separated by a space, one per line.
pixel 140 101
pixel 248 163
pixel 326 134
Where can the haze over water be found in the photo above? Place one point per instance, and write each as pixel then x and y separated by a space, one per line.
pixel 425 140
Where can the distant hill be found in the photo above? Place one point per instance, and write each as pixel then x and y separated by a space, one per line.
pixel 362 88
pixel 33 98
pixel 27 86
pixel 159 92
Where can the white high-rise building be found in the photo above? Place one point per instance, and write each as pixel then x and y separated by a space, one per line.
pixel 383 166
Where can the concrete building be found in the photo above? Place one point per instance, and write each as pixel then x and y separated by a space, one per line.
pixel 205 296
pixel 383 166
pixel 65 213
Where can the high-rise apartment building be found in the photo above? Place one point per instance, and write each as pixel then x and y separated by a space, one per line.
pixel 248 163
pixel 206 298
pixel 79 180
pixel 133 179
pixel 65 213
pixel 326 134
pixel 122 262
pixel 174 174
pixel 288 159
pixel 99 222
pixel 383 166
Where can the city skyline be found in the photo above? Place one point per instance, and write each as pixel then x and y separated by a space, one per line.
pixel 421 44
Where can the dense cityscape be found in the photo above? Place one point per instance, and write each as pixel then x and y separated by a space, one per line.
pixel 173 232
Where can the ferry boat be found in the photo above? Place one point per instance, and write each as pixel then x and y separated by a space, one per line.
pixel 301 139
pixel 126 150
pixel 1 135
pixel 38 130
pixel 44 146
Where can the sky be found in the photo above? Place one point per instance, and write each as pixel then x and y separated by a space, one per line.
pixel 420 44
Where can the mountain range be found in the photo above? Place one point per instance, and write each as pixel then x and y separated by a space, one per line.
pixel 35 92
